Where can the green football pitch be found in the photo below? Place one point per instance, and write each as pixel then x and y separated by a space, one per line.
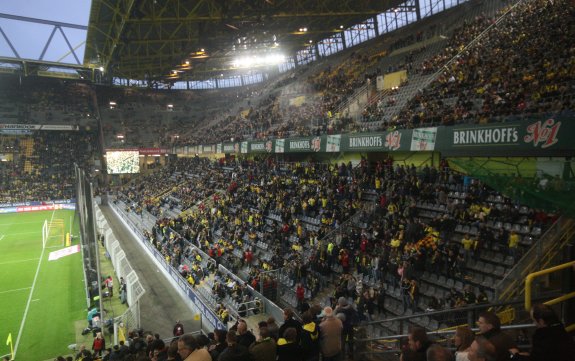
pixel 41 300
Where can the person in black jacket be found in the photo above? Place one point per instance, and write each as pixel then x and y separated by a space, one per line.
pixel 289 321
pixel 244 336
pixel 418 343
pixel 309 338
pixel 490 327
pixel 234 351
pixel 287 347
pixel 550 340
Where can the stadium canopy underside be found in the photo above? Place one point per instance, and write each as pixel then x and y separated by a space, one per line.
pixel 147 39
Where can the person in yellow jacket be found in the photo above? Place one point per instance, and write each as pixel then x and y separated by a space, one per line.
pixel 513 244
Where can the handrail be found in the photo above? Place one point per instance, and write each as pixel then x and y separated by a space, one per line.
pixel 537 257
pixel 480 306
pixel 443 332
pixel 530 277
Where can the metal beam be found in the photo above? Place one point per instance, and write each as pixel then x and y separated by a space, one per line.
pixel 42 21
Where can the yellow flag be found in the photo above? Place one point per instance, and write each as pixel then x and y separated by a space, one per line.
pixel 197 317
pixel 9 342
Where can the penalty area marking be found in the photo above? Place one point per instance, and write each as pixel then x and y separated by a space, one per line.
pixel 15 290
pixel 19 261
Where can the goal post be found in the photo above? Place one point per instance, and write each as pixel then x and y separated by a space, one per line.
pixel 53 234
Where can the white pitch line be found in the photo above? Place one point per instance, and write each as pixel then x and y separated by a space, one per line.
pixel 15 290
pixel 1 237
pixel 30 297
pixel 17 234
pixel 15 223
pixel 19 261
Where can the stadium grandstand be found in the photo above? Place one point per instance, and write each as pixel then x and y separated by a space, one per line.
pixel 289 180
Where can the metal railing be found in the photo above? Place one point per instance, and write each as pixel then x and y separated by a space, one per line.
pixel 539 256
pixel 529 280
pixel 366 344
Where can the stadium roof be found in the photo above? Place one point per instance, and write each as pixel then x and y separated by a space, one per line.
pixel 36 34
pixel 148 39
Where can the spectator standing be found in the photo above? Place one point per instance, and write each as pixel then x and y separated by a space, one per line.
pixel 419 343
pixel 482 350
pixel 109 282
pixel 513 244
pixel 349 321
pixel 490 327
pixel 330 335
pixel 234 351
pixel 220 343
pixel 300 295
pixel 550 340
pixel 264 349
pixel 189 349
pixel 99 344
pixel 290 321
pixel 462 341
pixel 273 328
pixel 178 329
pixel 244 336
pixel 287 348
pixel 309 338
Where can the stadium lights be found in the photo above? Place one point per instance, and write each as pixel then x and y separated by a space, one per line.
pixel 255 61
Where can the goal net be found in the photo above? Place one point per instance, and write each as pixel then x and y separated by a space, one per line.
pixel 53 234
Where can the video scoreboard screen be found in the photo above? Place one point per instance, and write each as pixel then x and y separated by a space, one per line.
pixel 121 162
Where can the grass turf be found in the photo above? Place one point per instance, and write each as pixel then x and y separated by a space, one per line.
pixel 40 315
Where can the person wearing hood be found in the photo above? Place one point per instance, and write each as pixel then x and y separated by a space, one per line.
pixel 287 347
pixel 309 338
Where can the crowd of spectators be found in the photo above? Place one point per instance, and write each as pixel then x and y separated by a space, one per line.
pixel 328 333
pixel 45 101
pixel 509 73
pixel 472 88
pixel 369 223
pixel 42 165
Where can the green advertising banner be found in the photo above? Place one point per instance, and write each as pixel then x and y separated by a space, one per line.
pixel 540 137
pixel 230 148
pixel 261 147
pixel 549 136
